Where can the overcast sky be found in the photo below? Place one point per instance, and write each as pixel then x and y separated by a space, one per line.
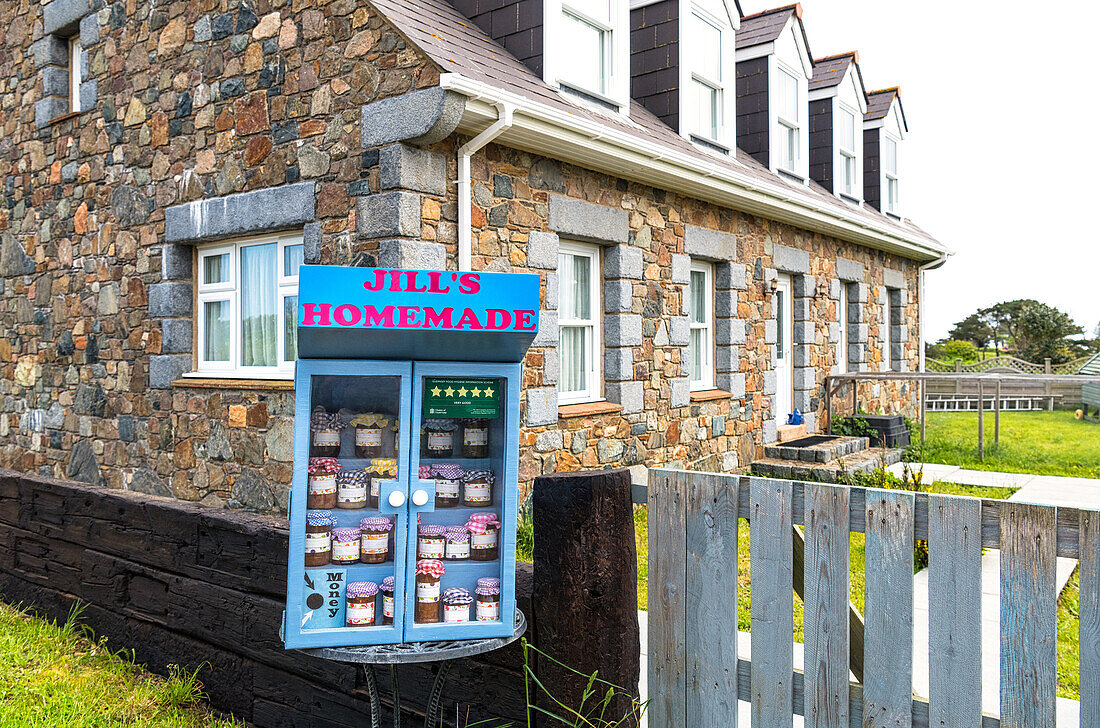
pixel 1001 159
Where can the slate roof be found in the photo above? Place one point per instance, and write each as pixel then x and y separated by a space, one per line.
pixel 764 27
pixel 456 45
pixel 1092 366
pixel 830 71
pixel 878 103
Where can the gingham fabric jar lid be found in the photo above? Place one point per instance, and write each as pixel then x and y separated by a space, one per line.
pixel 346 534
pixel 481 522
pixel 425 472
pixel 386 466
pixel 376 524
pixel 430 567
pixel 323 466
pixel 322 420
pixel 457 596
pixel 488 586
pixel 448 471
pixel 371 419
pixel 479 474
pixel 353 479
pixel 320 518
pixel 359 589
pixel 448 425
pixel 457 534
pixel 387 584
pixel 432 530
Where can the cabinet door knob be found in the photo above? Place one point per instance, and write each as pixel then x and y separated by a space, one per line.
pixel 397 499
pixel 420 498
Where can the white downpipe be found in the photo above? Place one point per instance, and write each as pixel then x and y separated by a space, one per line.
pixel 920 304
pixel 505 113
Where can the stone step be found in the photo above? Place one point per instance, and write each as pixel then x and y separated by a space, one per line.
pixel 821 453
pixel 864 461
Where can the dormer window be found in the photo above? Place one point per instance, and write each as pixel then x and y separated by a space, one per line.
pixel 789 117
pixel 711 72
pixel 890 174
pixel 849 155
pixel 587 65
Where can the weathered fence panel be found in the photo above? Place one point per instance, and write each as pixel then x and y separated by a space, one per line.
pixel 772 617
pixel 711 524
pixel 694 672
pixel 954 611
pixel 888 639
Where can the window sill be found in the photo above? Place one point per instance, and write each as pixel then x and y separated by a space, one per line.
pixel 279 385
pixel 708 395
pixel 588 409
pixel 64 117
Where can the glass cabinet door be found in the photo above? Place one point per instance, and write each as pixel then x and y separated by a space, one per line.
pixel 462 494
pixel 349 513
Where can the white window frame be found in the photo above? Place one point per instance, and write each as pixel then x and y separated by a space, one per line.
pixel 890 202
pixel 692 77
pixel 616 50
pixel 843 322
pixel 231 291
pixel 786 125
pixel 848 156
pixel 707 326
pixel 74 74
pixel 594 353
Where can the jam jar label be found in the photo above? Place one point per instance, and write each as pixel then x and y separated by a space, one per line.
pixel 430 548
pixel 376 543
pixel 345 550
pixel 440 440
pixel 475 436
pixel 361 614
pixel 387 606
pixel 374 486
pixel 326 438
pixel 458 550
pixel 427 591
pixel 446 488
pixel 317 543
pixel 477 492
pixel 352 494
pixel 368 437
pixel 483 540
pixel 456 612
pixel 488 611
pixel 322 484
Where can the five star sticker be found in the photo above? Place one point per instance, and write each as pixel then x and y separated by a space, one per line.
pixel 436 391
pixel 462 392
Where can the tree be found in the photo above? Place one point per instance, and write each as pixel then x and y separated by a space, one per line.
pixel 1003 319
pixel 1041 331
pixel 964 350
pixel 1096 332
pixel 973 329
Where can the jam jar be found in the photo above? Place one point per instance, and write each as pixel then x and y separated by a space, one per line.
pixel 325 429
pixel 484 532
pixel 375 541
pixel 439 438
pixel 430 541
pixel 345 545
pixel 429 572
pixel 488 599
pixel 370 431
pixel 318 537
pixel 448 482
pixel 457 547
pixel 475 438
pixel 351 489
pixel 387 600
pixel 362 604
pixel 477 488
pixel 321 489
pixel 380 469
pixel 456 605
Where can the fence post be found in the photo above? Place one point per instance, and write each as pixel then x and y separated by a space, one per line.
pixel 981 422
pixel 1046 365
pixel 958 365
pixel 584 546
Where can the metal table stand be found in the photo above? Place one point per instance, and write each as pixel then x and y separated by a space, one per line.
pixel 409 653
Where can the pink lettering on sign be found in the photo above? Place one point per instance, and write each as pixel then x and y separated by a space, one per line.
pixel 414 281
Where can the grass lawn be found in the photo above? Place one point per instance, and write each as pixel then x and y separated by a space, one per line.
pixel 1044 443
pixel 57 675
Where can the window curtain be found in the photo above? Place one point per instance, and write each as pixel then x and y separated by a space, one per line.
pixel 259 318
pixel 572 345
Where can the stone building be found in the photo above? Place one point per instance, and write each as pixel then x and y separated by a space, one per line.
pixel 715 215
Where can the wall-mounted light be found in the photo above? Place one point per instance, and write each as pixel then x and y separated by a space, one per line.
pixel 822 288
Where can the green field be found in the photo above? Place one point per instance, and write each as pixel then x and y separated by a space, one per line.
pixel 1043 443
pixel 59 675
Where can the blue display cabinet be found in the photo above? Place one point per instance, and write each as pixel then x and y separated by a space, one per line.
pixel 404 500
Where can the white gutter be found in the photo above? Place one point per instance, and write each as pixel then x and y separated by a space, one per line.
pixel 537 124
pixel 505 113
pixel 920 304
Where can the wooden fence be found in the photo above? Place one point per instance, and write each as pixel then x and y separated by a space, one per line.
pixel 695 677
pixel 1007 363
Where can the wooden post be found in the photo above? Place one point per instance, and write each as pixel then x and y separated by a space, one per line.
pixel 855 397
pixel 997 414
pixel 958 365
pixel 923 408
pixel 584 528
pixel 981 422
